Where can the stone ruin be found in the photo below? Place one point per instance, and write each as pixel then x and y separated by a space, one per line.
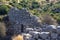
pixel 50 32
pixel 30 26
pixel 21 19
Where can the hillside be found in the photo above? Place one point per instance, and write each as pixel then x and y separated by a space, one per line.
pixel 29 16
pixel 36 8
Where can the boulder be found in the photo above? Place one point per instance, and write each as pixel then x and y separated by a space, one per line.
pixel 50 28
pixel 58 29
pixel 44 35
pixel 54 35
pixel 21 19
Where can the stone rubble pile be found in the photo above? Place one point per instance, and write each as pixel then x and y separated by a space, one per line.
pixel 50 32
pixel 27 24
pixel 20 19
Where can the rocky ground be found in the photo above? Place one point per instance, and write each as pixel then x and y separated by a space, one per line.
pixel 49 32
pixel 24 23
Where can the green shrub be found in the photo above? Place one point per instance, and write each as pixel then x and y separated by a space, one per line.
pixel 35 5
pixel 57 17
pixel 11 4
pixel 58 20
pixel 23 4
pixel 3 9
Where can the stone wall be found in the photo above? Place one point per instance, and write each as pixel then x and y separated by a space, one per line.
pixel 22 17
pixel 49 32
pixel 32 28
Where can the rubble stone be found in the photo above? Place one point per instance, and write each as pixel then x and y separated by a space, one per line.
pixel 54 35
pixel 58 29
pixel 44 35
pixel 21 19
pixel 24 22
pixel 50 28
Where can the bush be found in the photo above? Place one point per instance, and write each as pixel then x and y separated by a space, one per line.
pixel 58 20
pixel 47 19
pixel 35 5
pixel 23 4
pixel 56 10
pixel 57 17
pixel 11 4
pixel 3 9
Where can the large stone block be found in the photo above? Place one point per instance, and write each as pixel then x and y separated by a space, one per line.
pixel 38 29
pixel 47 39
pixel 31 39
pixel 54 35
pixel 39 39
pixel 44 35
pixel 22 17
pixel 58 29
pixel 58 38
pixel 27 36
pixel 50 28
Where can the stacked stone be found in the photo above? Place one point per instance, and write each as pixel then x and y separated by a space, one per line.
pixel 49 34
pixel 23 19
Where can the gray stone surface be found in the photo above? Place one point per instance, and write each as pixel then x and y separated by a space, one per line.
pixel 44 35
pixel 54 35
pixel 22 17
pixel 50 28
pixel 58 29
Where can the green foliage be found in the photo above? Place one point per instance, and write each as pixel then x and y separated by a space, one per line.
pixel 58 20
pixel 57 17
pixel 3 9
pixel 19 7
pixel 55 8
pixel 11 4
pixel 23 4
pixel 35 5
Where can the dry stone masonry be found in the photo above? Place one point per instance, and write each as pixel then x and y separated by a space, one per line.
pixel 27 24
pixel 52 34
pixel 20 19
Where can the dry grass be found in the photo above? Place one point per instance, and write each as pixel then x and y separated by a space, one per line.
pixel 2 29
pixel 47 19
